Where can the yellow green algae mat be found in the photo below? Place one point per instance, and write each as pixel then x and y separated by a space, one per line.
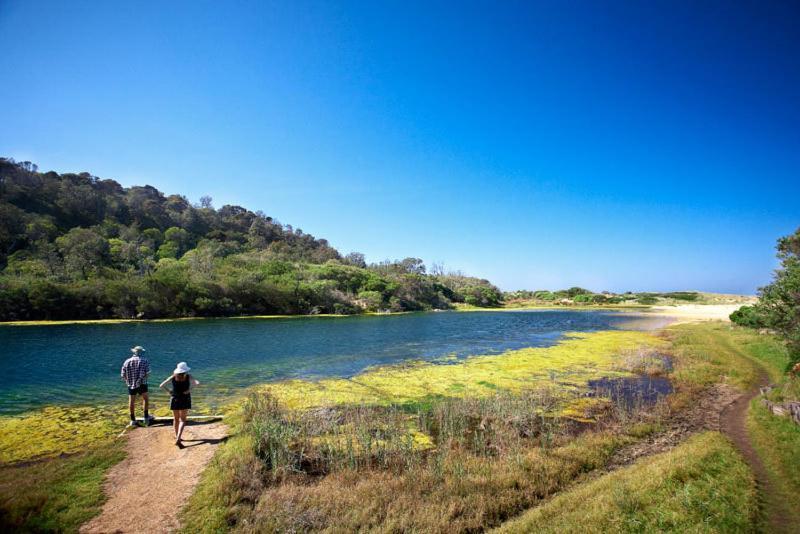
pixel 568 365
pixel 55 430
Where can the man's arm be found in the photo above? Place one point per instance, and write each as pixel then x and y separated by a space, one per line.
pixel 123 373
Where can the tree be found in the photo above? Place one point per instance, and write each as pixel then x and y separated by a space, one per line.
pixel 84 251
pixel 356 259
pixel 780 300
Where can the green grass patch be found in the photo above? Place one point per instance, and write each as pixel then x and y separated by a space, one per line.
pixel 777 442
pixel 702 485
pixel 58 494
pixel 716 352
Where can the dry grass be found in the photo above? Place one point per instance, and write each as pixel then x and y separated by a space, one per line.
pixel 443 465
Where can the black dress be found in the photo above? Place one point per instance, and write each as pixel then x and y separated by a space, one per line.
pixel 181 398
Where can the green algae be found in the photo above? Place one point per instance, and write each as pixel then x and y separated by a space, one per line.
pixel 567 366
pixel 564 369
pixel 55 430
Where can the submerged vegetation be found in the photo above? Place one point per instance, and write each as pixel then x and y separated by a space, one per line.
pixel 563 368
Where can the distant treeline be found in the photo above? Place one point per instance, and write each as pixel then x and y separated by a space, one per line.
pixel 579 295
pixel 778 307
pixel 74 246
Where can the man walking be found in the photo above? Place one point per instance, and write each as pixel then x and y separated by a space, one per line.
pixel 134 372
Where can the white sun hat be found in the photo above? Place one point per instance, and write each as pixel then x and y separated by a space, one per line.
pixel 181 368
pixel 138 348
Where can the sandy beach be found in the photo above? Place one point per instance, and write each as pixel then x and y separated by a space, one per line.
pixel 696 312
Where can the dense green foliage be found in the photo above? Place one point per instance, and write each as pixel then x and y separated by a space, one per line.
pixel 73 246
pixel 779 303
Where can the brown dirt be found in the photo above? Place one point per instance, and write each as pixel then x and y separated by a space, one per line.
pixel 147 490
pixel 704 414
pixel 734 425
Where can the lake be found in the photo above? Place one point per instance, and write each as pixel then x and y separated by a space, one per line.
pixel 79 363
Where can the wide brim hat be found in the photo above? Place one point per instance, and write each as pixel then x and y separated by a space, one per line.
pixel 181 368
pixel 138 348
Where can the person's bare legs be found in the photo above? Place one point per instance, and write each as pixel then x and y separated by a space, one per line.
pixel 176 419
pixel 183 415
pixel 132 406
pixel 146 404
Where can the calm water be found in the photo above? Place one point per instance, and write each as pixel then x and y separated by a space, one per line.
pixel 79 364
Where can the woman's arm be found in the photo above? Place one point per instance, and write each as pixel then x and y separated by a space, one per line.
pixel 162 384
pixel 195 381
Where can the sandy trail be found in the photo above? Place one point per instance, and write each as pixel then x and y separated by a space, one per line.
pixel 149 487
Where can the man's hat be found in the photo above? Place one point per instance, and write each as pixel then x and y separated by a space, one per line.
pixel 137 348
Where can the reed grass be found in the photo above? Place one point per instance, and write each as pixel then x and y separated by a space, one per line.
pixel 437 465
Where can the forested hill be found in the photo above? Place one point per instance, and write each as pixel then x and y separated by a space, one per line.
pixel 74 246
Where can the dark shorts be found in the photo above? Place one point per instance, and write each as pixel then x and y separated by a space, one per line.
pixel 138 390
pixel 181 402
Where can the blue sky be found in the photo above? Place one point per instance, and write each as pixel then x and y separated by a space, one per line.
pixel 640 145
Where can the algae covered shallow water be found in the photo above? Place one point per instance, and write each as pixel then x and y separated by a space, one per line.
pixel 79 363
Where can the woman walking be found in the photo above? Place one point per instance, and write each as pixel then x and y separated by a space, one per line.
pixel 181 401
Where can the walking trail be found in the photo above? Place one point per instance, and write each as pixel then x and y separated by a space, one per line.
pixel 147 490
pixel 734 424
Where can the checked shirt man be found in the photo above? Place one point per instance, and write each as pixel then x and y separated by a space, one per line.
pixel 134 373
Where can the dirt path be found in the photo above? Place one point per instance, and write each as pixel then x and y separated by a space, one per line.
pixel 734 425
pixel 147 489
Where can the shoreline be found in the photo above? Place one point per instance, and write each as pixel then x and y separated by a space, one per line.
pixel 681 312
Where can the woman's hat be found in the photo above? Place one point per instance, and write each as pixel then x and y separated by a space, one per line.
pixel 137 348
pixel 181 368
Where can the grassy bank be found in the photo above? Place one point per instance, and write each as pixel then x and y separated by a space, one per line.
pixel 355 469
pixel 700 486
pixel 58 494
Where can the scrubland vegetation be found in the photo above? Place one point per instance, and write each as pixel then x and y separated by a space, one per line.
pixel 578 296
pixel 74 246
pixel 78 247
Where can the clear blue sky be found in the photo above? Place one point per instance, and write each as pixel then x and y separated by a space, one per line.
pixel 639 145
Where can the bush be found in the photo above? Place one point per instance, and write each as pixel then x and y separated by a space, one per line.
pixel 748 316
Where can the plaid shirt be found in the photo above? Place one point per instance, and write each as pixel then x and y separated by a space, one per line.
pixel 134 371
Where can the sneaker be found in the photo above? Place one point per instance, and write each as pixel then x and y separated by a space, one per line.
pixel 146 421
pixel 132 424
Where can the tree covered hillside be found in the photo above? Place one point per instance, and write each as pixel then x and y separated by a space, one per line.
pixel 74 246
